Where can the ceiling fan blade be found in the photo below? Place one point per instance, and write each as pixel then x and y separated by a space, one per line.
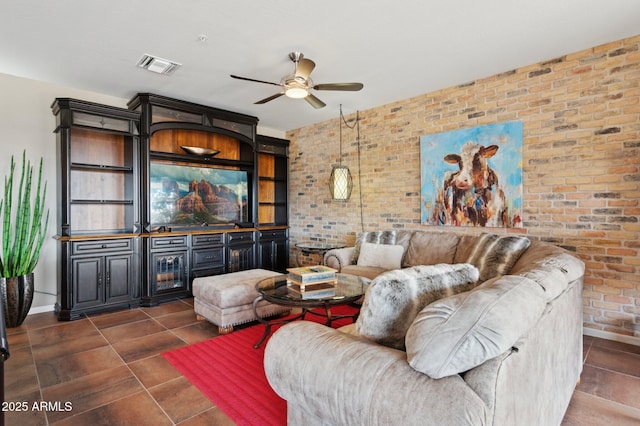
pixel 349 87
pixel 314 102
pixel 304 68
pixel 270 98
pixel 254 80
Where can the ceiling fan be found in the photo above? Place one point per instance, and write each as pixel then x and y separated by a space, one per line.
pixel 298 84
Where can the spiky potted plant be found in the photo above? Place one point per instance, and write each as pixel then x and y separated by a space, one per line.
pixel 23 233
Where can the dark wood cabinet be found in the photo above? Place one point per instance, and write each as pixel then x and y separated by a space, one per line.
pixel 241 251
pixel 102 280
pixel 98 150
pixel 168 269
pixel 273 181
pixel 207 255
pixel 273 203
pixel 96 275
pixel 111 254
pixel 273 249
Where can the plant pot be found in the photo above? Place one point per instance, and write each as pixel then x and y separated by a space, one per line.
pixel 17 295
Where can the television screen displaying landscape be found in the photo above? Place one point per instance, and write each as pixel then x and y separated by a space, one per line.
pixel 188 195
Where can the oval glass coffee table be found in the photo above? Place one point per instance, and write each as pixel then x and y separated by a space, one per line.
pixel 349 288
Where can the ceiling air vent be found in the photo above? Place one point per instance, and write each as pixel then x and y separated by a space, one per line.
pixel 159 65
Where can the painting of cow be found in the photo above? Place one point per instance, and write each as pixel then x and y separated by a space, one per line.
pixel 473 177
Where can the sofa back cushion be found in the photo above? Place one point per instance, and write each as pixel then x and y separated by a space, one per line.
pixel 494 255
pixel 458 333
pixel 394 298
pixel 430 248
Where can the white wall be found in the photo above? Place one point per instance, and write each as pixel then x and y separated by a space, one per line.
pixel 26 122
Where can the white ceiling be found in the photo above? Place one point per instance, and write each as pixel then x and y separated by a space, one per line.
pixel 397 49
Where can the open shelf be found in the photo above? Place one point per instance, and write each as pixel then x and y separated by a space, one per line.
pixel 272 189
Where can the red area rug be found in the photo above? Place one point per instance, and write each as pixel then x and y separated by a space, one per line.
pixel 231 374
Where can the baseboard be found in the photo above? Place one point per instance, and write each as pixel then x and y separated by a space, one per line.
pixel 42 309
pixel 611 336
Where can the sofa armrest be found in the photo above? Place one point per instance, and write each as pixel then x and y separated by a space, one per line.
pixel 344 379
pixel 337 258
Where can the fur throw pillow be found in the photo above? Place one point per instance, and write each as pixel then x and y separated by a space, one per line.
pixel 395 298
pixel 376 237
pixel 495 255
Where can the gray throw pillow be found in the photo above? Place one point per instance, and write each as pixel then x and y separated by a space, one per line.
pixel 458 333
pixel 495 255
pixel 395 297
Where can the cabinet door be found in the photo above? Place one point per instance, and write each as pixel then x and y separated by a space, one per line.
pixel 87 281
pixel 266 254
pixel 241 249
pixel 280 250
pixel 240 257
pixel 169 271
pixel 274 255
pixel 118 271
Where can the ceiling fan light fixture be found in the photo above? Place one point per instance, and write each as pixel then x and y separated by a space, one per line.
pixel 296 92
pixel 299 85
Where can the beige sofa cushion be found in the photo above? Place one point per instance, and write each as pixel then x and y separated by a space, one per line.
pixel 363 271
pixel 385 256
pixel 394 298
pixel 430 248
pixel 458 333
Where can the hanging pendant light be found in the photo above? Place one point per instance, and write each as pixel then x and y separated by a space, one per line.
pixel 340 181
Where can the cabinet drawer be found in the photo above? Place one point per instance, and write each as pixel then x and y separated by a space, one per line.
pixel 273 234
pixel 207 258
pixel 79 247
pixel 165 242
pixel 197 273
pixel 207 240
pixel 240 237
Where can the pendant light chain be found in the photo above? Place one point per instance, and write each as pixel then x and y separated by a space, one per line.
pixel 359 171
pixel 342 119
pixel 340 181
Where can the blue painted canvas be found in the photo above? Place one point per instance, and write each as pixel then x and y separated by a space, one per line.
pixel 472 177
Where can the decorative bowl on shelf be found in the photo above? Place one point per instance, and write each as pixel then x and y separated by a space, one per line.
pixel 203 152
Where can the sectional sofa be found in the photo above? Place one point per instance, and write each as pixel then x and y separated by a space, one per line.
pixel 454 330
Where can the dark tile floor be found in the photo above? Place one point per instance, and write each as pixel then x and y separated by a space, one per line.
pixel 107 370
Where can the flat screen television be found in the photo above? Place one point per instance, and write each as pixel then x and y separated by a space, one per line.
pixel 182 195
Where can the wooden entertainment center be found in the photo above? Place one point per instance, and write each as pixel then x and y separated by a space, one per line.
pixel 113 251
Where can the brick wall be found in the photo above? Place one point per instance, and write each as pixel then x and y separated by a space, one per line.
pixel 581 153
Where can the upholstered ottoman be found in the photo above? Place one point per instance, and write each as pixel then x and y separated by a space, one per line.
pixel 227 300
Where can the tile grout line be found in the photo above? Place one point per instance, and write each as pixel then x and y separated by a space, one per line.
pixel 35 368
pixel 145 389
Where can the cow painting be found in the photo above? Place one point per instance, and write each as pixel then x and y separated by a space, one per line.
pixel 473 177
pixel 472 193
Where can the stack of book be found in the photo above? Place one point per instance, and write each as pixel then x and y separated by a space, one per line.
pixel 312 282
